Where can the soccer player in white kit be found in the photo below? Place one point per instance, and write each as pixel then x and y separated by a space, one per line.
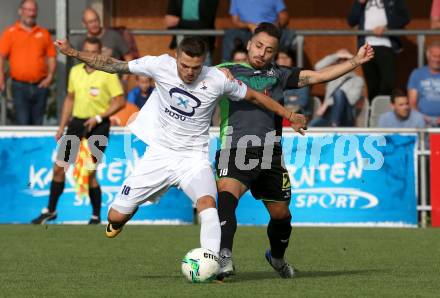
pixel 175 124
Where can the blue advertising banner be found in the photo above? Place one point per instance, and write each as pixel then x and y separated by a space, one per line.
pixel 336 179
pixel 26 171
pixel 347 180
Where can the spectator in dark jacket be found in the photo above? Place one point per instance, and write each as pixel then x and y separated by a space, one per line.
pixel 379 16
pixel 192 15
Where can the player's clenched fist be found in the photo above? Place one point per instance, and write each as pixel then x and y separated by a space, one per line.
pixel 365 54
pixel 298 122
pixel 64 47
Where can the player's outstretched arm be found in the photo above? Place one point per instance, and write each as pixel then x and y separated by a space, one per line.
pixel 99 62
pixel 310 77
pixel 297 121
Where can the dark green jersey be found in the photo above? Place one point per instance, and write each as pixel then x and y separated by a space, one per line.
pixel 248 119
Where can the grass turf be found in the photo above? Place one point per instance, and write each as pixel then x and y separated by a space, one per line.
pixel 144 261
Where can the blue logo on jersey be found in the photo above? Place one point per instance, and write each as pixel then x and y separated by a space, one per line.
pixel 183 102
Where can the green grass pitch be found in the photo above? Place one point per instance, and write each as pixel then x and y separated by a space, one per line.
pixel 144 261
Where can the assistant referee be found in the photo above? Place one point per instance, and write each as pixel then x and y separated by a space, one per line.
pixel 92 97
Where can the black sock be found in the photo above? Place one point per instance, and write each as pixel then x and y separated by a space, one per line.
pixel 118 225
pixel 95 200
pixel 56 190
pixel 227 204
pixel 278 232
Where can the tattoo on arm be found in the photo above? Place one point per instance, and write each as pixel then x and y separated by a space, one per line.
pixel 303 81
pixel 103 63
pixel 353 62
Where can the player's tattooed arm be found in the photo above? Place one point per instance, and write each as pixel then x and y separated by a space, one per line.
pixel 310 77
pixel 304 79
pixel 103 63
pixel 96 61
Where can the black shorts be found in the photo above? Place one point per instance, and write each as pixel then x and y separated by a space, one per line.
pixel 69 143
pixel 267 180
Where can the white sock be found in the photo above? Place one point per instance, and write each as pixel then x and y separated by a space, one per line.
pixel 210 230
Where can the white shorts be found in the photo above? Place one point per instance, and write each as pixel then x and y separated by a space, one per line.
pixel 159 169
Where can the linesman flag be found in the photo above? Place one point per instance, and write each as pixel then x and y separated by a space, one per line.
pixel 83 166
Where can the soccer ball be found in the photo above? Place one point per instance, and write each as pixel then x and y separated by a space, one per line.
pixel 200 265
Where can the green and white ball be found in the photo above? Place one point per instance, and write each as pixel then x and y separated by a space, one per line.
pixel 200 265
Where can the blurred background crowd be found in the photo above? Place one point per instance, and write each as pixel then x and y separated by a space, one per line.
pixel 390 91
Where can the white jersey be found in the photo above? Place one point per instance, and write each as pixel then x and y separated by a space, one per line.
pixel 178 115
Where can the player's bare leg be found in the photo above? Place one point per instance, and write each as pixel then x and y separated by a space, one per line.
pixel 278 231
pixel 209 223
pixel 229 192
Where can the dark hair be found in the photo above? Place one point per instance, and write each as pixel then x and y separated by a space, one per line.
pixel 93 40
pixel 193 46
pixel 290 53
pixel 238 49
pixel 397 93
pixel 269 29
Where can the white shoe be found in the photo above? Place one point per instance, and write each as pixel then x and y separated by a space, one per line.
pixel 284 270
pixel 226 265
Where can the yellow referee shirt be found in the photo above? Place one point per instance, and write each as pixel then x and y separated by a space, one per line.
pixel 93 91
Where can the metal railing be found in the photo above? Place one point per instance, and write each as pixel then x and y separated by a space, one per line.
pixel 420 34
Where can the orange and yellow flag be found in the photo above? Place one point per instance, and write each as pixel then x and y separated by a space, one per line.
pixel 83 166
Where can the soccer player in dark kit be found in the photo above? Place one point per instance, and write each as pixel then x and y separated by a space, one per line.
pixel 241 123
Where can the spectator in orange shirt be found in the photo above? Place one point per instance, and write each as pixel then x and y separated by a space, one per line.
pixel 32 63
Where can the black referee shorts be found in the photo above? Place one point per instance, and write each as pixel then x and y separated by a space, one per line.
pixel 269 183
pixel 69 144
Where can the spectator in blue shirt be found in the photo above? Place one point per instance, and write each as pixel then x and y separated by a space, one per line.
pixel 247 14
pixel 424 86
pixel 140 94
pixel 402 116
